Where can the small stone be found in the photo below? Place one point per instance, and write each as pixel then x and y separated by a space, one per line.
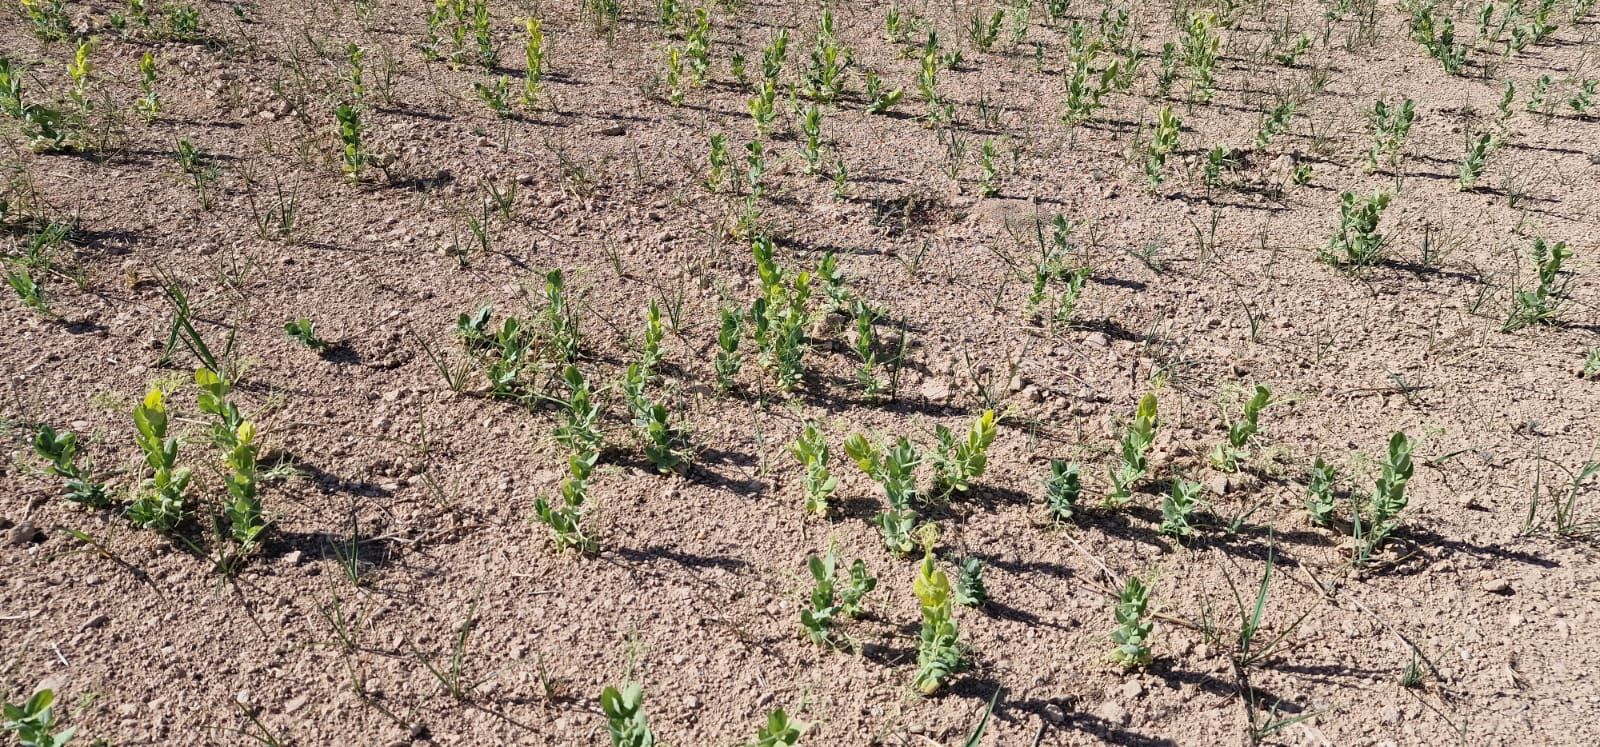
pixel 23 534
pixel 1497 586
pixel 691 702
pixel 1054 714
pixel 1132 689
pixel 295 704
pixel 1097 340
pixel 95 622
pixel 614 130
pixel 1219 484
pixel 936 390
pixel 1031 393
pixel 1112 713
pixel 292 557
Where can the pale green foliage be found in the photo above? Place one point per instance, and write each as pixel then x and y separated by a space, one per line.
pixel 940 653
pixel 625 718
pixel 1132 634
pixel 811 450
pixel 1136 442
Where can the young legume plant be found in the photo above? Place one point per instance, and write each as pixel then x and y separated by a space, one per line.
pixel 61 450
pixel 1225 457
pixel 565 518
pixel 1062 490
pixel 1320 497
pixel 1544 302
pixel 894 468
pixel 940 653
pixel 1132 634
pixel 811 450
pixel 1177 507
pixel 957 464
pixel 625 717
pixel 829 600
pixel 1358 243
pixel 1376 521
pixel 160 501
pixel 1136 442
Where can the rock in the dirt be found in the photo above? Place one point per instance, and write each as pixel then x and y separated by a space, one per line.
pixel 1219 484
pixel 1112 713
pixel 1054 714
pixel 24 534
pixel 936 390
pixel 1497 586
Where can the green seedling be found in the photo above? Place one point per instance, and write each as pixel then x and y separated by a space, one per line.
pixel 45 129
pixel 159 501
pixel 984 32
pixel 1062 490
pixel 34 720
pixel 496 94
pixel 866 349
pixel 565 519
pixel 720 170
pixel 149 103
pixel 1219 162
pixel 1177 507
pixel 1544 303
pixel 1538 98
pixel 579 414
pixel 1274 123
pixel 1583 98
pixel 356 55
pixel 697 46
pixel 928 71
pixel 1358 242
pixel 829 601
pixel 1291 56
pixel 625 717
pixel 1162 143
pixel 1132 634
pixel 348 127
pixel 663 442
pixel 940 653
pixel 28 290
pixel 755 167
pixel 1201 46
pixel 830 60
pixel 811 450
pixel 969 588
pixel 62 452
pixel 304 331
pixel 533 51
pixel 1591 365
pixel 780 317
pixel 1225 457
pixel 1375 522
pixel 1136 443
pixel 1320 495
pixel 1390 125
pixel 201 169
pixel 728 361
pixel 779 731
pixel 560 318
pixel 1476 159
pixel 957 464
pixel 988 184
pixel 246 523
pixel 811 148
pixel 880 101
pixel 894 468
pixel 650 356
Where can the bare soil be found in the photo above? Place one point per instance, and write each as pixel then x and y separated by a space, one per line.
pixel 1196 293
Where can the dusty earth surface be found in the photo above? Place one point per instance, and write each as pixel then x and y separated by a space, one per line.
pixel 1196 293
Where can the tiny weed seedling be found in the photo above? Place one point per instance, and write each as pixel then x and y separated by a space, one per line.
pixel 304 331
pixel 1177 507
pixel 159 502
pixel 1544 302
pixel 1375 522
pixel 200 168
pixel 1225 457
pixel 957 464
pixel 1132 634
pixel 1136 442
pixel 565 518
pixel 1358 243
pixel 880 101
pixel 34 721
pixel 811 450
pixel 625 717
pixel 1320 495
pixel 61 450
pixel 940 653
pixel 1062 490
pixel 533 55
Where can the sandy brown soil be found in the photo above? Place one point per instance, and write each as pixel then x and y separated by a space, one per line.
pixel 700 577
